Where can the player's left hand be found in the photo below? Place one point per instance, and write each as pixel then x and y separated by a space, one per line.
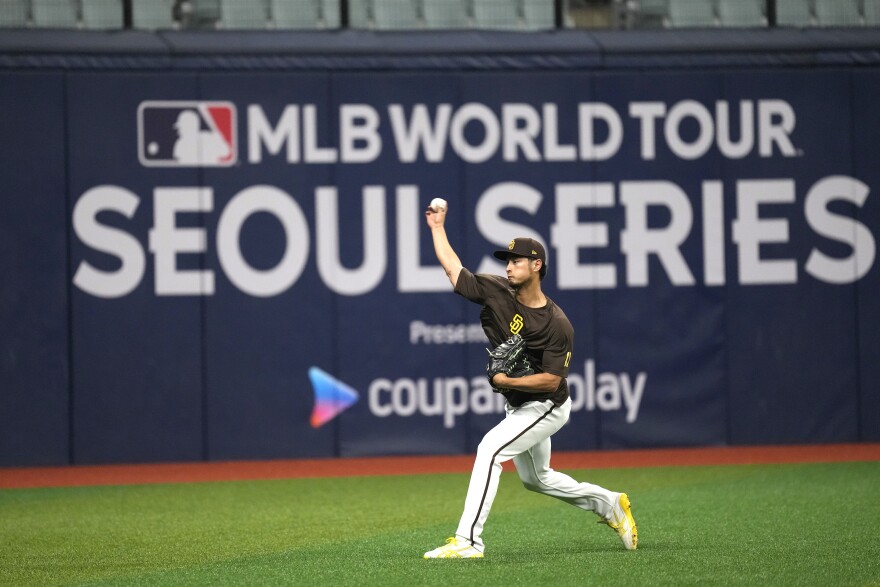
pixel 509 358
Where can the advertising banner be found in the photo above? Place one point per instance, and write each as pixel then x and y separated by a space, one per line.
pixel 34 368
pixel 251 276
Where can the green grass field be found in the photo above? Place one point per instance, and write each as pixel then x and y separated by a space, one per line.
pixel 731 525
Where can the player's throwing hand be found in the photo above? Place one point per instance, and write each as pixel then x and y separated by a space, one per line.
pixel 436 213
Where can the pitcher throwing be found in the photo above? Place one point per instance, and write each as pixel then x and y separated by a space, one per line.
pixel 532 339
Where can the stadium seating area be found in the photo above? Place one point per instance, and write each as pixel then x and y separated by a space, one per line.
pixel 754 13
pixel 428 14
pixel 279 14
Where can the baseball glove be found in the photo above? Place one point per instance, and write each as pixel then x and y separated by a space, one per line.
pixel 509 358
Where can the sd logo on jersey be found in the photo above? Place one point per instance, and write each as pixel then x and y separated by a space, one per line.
pixel 187 134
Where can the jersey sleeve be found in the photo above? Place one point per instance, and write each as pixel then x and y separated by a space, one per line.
pixel 557 354
pixel 477 288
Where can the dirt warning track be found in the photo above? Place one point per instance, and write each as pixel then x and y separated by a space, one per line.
pixel 73 476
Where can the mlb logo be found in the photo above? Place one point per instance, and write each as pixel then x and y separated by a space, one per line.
pixel 187 134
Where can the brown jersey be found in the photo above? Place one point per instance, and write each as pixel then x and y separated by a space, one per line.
pixel 548 334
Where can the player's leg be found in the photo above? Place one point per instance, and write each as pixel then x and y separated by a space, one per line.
pixel 533 467
pixel 522 428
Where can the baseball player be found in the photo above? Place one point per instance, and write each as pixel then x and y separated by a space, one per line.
pixel 515 309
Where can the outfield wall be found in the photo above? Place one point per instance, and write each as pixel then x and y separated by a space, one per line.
pixel 175 293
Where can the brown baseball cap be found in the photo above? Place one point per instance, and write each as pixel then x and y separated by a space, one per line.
pixel 525 247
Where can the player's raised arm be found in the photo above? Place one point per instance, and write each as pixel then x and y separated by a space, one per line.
pixel 436 217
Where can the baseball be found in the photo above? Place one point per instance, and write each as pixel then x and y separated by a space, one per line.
pixel 437 204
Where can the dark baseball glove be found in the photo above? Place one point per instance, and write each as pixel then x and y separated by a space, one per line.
pixel 509 358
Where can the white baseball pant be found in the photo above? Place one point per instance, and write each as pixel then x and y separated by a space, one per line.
pixel 524 436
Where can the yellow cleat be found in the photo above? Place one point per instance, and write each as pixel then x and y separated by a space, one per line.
pixel 623 523
pixel 455 548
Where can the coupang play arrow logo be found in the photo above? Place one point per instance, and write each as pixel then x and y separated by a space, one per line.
pixel 332 397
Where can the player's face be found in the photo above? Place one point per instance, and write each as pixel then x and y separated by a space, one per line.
pixel 519 270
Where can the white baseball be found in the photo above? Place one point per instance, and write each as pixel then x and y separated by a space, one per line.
pixel 437 204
